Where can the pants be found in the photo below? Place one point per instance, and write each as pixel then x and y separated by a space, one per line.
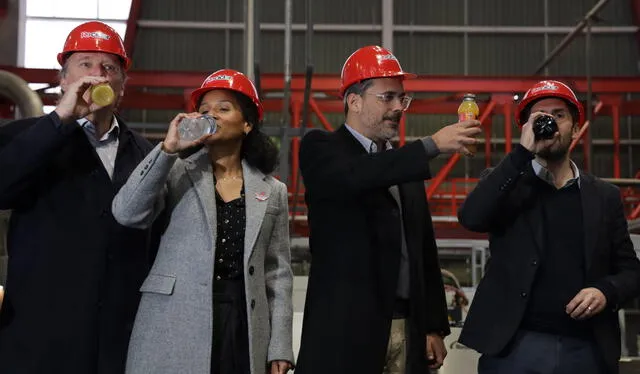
pixel 230 351
pixel 396 359
pixel 539 353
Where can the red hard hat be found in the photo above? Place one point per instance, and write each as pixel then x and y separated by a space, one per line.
pixel 548 88
pixel 94 36
pixel 228 79
pixel 370 62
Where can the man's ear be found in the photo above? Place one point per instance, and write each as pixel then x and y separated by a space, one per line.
pixel 575 131
pixel 355 102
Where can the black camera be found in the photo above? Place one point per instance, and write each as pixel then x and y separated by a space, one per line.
pixel 544 127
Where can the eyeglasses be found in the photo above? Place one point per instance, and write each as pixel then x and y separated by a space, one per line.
pixel 389 97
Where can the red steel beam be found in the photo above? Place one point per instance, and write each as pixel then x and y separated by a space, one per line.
pixel 329 83
pixel 132 27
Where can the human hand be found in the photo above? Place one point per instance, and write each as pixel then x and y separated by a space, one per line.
pixel 280 367
pixel 76 101
pixel 586 304
pixel 172 142
pixel 436 351
pixel 528 139
pixel 454 138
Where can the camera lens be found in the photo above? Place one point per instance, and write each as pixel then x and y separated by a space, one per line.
pixel 544 127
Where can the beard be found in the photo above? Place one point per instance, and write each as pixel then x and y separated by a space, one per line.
pixel 382 129
pixel 557 151
pixel 389 131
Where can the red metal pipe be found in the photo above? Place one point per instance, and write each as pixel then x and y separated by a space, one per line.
pixel 585 127
pixel 615 114
pixel 132 27
pixel 575 141
pixel 402 133
pixel 323 120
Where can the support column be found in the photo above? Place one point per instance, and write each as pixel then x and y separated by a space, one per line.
pixel 387 24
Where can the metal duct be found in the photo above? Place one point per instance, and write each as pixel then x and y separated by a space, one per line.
pixel 17 90
pixel 28 104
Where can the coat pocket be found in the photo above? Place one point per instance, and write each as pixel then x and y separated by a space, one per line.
pixel 157 283
pixel 272 210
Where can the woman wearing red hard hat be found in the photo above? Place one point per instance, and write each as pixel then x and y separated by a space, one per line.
pixel 218 298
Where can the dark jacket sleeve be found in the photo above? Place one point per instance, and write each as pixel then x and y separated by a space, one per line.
pixel 25 152
pixel 624 282
pixel 325 167
pixel 486 206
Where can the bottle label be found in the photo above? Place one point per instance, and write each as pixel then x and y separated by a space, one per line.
pixel 466 116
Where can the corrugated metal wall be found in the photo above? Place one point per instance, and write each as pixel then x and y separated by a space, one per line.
pixel 446 53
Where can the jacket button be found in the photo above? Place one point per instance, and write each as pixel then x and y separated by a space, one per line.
pixel 104 213
pixel 253 304
pixel 251 270
pixel 523 294
pixel 534 263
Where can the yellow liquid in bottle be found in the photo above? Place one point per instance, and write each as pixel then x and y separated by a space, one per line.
pixel 102 94
pixel 469 110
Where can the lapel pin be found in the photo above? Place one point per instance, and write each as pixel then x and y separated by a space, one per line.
pixel 261 196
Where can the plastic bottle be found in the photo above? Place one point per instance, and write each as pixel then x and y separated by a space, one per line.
pixel 102 94
pixel 191 129
pixel 469 110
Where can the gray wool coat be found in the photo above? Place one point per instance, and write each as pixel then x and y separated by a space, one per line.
pixel 173 328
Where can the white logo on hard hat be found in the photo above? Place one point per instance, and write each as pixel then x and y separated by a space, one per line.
pixel 548 86
pixel 217 78
pixel 94 35
pixel 388 57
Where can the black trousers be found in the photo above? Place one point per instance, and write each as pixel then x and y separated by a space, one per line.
pixel 539 353
pixel 230 351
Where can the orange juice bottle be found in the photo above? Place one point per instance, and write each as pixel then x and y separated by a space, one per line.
pixel 469 110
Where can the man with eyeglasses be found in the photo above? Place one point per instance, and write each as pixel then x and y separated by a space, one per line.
pixel 375 298
pixel 74 272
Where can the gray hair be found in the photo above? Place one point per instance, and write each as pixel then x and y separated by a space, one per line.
pixel 357 88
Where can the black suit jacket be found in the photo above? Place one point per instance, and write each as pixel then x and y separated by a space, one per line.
pixel 505 204
pixel 355 242
pixel 73 273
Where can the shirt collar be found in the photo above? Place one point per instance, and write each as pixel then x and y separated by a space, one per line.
pixel 544 174
pixel 369 145
pixel 90 129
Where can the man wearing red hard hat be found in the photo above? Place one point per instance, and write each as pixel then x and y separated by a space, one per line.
pixel 73 271
pixel 562 261
pixel 375 300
